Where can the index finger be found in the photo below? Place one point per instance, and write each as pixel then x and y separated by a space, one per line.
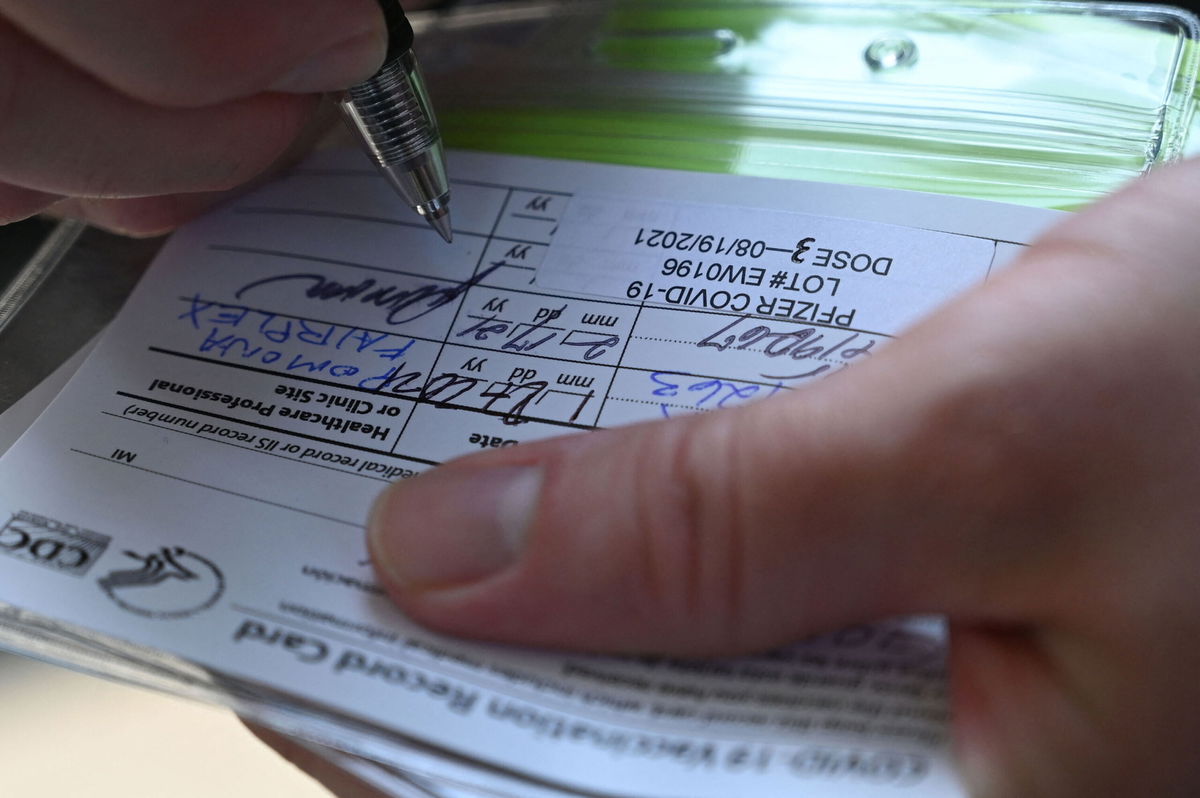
pixel 204 52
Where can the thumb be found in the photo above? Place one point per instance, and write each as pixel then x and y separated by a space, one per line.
pixel 959 471
pixel 726 532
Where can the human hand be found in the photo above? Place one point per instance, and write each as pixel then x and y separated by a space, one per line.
pixel 137 114
pixel 1025 461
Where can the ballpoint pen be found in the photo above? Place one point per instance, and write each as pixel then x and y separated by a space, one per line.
pixel 392 116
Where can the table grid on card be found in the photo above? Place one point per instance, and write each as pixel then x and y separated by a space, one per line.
pixel 520 360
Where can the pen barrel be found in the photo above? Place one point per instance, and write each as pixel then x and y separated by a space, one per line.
pixel 393 112
pixel 400 32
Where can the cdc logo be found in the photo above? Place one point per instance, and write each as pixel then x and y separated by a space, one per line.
pixel 51 544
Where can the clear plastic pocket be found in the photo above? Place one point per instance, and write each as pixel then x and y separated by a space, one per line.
pixel 1046 103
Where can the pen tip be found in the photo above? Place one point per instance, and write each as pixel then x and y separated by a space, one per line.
pixel 441 223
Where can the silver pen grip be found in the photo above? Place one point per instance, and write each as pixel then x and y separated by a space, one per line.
pixel 393 110
pixel 394 120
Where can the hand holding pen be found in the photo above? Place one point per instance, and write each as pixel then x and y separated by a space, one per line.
pixel 137 114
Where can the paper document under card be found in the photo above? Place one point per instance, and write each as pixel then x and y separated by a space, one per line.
pixel 200 487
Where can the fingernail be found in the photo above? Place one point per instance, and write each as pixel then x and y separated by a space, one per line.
pixel 451 527
pixel 339 66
